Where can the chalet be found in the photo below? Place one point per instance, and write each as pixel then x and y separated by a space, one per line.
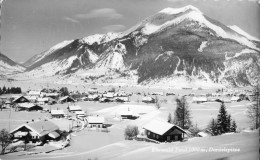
pixel 74 108
pixel 93 91
pixel 96 121
pixel 57 113
pixel 28 107
pixel 66 99
pixel 148 99
pixel 128 115
pixel 38 131
pixel 199 99
pixel 80 114
pixel 93 97
pixel 37 93
pixel 104 99
pixel 52 95
pixel 164 131
pixel 121 99
pixel 20 99
pixel 42 101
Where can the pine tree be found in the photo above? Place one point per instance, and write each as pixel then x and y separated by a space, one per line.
pixel 253 111
pixel 222 120
pixel 233 127
pixel 229 123
pixel 1 91
pixel 212 128
pixel 4 90
pixel 182 116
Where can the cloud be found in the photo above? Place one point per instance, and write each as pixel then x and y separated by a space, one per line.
pixel 71 20
pixel 116 27
pixel 109 13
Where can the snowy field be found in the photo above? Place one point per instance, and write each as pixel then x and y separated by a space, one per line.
pixel 101 145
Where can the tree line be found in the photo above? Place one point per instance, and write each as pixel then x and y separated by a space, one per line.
pixel 12 90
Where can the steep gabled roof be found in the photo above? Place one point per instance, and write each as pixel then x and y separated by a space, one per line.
pixel 95 119
pixel 160 127
pixel 41 128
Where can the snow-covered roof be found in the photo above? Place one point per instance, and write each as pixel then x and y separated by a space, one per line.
pixel 63 98
pixel 75 108
pixel 34 92
pixel 203 134
pixel 42 99
pixel 41 128
pixel 95 119
pixel 80 113
pixel 160 127
pixel 234 98
pixel 27 105
pixel 147 98
pixel 57 112
pixel 199 99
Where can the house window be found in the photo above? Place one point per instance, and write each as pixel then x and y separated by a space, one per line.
pixel 154 135
pixel 157 136
pixel 148 133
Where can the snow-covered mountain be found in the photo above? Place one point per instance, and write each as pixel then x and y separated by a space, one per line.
pixel 8 66
pixel 171 47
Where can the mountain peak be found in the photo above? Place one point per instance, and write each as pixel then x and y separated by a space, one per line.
pixel 179 10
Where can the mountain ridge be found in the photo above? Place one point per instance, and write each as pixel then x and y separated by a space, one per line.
pixel 171 43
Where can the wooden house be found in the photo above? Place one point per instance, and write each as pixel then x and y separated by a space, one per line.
pixel 57 113
pixel 28 107
pixel 164 131
pixel 128 115
pixel 147 99
pixel 66 99
pixel 96 121
pixel 38 131
pixel 74 108
pixel 20 99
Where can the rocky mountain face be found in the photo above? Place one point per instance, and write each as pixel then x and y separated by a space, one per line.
pixel 8 66
pixel 173 47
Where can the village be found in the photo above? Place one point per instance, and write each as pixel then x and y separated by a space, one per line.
pixel 56 120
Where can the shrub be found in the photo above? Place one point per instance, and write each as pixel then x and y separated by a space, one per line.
pixel 131 131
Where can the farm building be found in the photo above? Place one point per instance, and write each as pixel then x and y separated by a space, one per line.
pixel 148 99
pixel 96 121
pixel 38 131
pixel 203 134
pixel 199 99
pixel 20 99
pixel 80 113
pixel 93 97
pixel 74 108
pixel 121 99
pixel 52 95
pixel 128 115
pixel 104 99
pixel 28 107
pixel 164 131
pixel 57 113
pixel 36 93
pixel 66 99
pixel 42 101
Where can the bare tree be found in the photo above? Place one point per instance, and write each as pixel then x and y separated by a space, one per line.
pixel 253 110
pixel 5 140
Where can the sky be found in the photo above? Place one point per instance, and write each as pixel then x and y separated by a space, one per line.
pixel 29 27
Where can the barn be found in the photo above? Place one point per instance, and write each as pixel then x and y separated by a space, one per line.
pixel 164 131
pixel 66 99
pixel 96 121
pixel 57 113
pixel 20 99
pixel 28 107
